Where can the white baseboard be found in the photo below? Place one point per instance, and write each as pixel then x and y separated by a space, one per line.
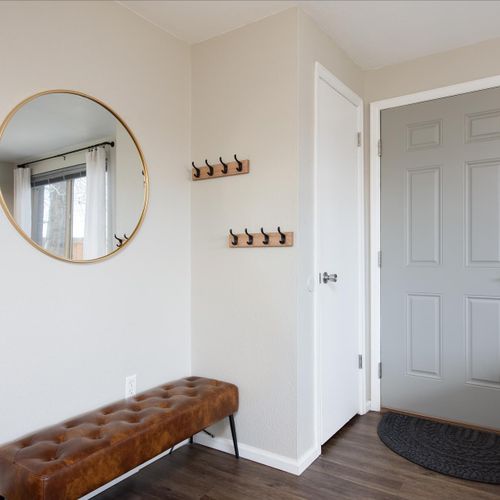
pixel 307 459
pixel 286 464
pixel 130 473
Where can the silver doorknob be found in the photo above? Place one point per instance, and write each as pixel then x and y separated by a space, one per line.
pixel 325 278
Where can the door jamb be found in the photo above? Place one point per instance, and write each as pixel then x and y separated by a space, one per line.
pixel 376 108
pixel 321 73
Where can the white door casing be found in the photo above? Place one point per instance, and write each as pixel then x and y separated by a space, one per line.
pixel 339 247
pixel 376 108
pixel 459 189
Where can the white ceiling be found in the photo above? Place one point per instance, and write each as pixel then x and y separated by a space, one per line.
pixel 379 33
pixel 374 33
pixel 52 123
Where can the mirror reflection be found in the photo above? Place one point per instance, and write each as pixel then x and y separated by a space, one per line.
pixel 71 176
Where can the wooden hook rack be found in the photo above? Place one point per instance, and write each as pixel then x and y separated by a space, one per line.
pixel 222 169
pixel 260 240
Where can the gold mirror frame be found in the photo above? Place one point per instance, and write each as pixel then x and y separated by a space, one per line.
pixel 7 212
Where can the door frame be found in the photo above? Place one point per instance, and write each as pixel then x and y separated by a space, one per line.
pixel 321 73
pixel 376 108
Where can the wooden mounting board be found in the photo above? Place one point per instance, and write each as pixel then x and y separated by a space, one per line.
pixel 258 240
pixel 231 170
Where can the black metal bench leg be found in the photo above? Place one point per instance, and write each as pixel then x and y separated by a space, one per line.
pixel 233 433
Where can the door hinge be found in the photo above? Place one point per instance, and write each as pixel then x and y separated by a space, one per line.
pixel 359 139
pixel 360 361
pixel 380 147
pixel 380 370
pixel 379 258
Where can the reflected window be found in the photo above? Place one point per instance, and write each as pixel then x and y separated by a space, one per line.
pixel 58 211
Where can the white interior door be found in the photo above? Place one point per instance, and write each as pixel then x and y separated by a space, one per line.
pixel 440 275
pixel 339 254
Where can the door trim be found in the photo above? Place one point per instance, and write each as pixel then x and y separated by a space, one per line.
pixel 376 108
pixel 321 73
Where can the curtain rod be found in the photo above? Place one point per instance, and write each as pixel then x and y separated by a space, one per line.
pixel 112 144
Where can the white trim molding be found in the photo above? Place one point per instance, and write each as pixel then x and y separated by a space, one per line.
pixel 286 464
pixel 376 108
pixel 321 73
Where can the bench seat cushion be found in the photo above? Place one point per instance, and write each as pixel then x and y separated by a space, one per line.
pixel 75 457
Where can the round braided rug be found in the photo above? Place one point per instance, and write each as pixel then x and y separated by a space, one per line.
pixel 448 449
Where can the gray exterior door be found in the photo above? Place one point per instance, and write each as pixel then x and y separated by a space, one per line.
pixel 440 274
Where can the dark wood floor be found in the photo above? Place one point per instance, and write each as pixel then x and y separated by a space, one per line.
pixel 354 465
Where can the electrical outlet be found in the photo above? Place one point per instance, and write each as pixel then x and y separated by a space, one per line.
pixel 130 386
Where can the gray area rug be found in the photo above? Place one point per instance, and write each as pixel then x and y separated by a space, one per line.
pixel 448 449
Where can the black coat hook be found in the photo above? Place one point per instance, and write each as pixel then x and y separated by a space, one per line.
pixel 250 237
pixel 210 169
pixel 120 241
pixel 239 168
pixel 265 241
pixel 283 237
pixel 197 170
pixel 235 238
pixel 224 170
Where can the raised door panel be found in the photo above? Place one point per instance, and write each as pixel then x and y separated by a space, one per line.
pixel 424 216
pixel 423 335
pixel 482 126
pixel 423 135
pixel 482 205
pixel 483 341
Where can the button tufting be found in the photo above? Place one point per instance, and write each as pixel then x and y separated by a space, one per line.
pixel 141 426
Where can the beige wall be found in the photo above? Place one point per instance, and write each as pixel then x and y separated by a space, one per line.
pixel 244 320
pixel 71 333
pixel 439 70
pixel 253 92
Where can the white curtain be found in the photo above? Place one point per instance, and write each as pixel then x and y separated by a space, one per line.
pixel 94 242
pixel 22 198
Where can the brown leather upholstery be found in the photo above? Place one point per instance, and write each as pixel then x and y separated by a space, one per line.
pixel 75 457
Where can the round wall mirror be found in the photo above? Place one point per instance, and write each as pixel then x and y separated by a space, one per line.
pixel 73 180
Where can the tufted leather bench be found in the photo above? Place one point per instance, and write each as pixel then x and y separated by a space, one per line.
pixel 68 460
